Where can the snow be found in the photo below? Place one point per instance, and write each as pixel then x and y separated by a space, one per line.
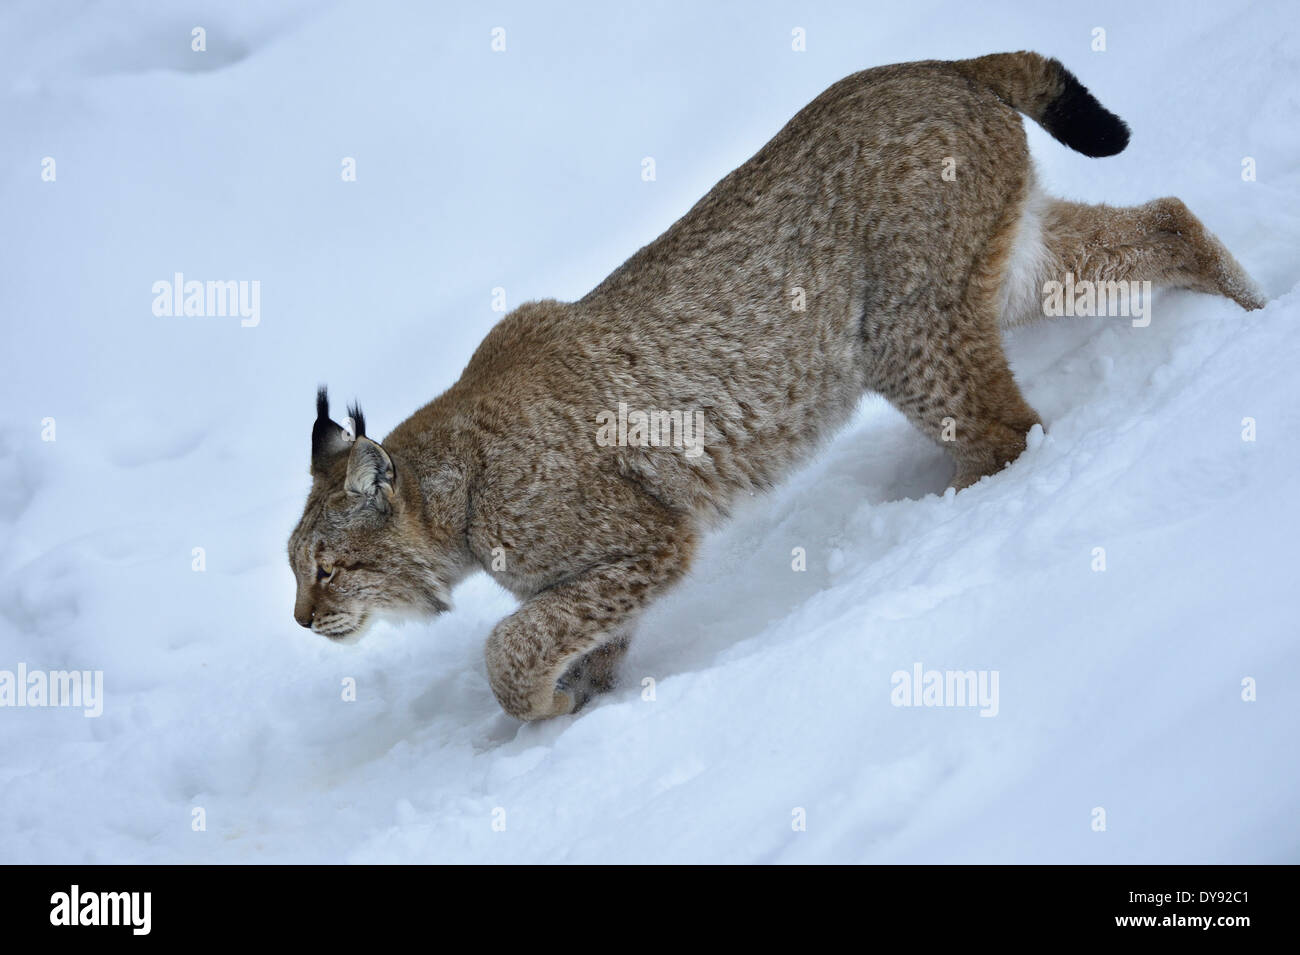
pixel 1118 689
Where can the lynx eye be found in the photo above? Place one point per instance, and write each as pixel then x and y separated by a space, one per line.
pixel 324 573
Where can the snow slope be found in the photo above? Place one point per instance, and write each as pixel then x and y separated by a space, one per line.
pixel 521 170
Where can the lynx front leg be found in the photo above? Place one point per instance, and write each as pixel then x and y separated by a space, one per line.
pixel 561 646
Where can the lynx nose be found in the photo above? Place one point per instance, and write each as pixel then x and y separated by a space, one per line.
pixel 304 617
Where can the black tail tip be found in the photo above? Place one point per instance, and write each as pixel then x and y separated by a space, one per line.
pixel 1076 119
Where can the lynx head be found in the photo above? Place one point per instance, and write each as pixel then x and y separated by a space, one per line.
pixel 362 545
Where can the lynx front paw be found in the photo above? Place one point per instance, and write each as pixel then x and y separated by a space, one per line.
pixel 593 673
pixel 575 695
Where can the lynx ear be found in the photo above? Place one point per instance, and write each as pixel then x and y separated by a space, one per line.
pixel 370 474
pixel 328 439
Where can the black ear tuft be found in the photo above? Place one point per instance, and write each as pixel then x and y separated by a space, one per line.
pixel 358 420
pixel 327 438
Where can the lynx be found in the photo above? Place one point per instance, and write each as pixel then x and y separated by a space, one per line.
pixel 840 259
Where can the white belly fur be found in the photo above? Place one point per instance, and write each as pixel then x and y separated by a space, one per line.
pixel 1020 297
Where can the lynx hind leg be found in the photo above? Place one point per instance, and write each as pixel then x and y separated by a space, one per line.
pixel 1161 242
pixel 955 385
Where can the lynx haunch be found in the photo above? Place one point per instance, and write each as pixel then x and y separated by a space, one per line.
pixel 907 278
